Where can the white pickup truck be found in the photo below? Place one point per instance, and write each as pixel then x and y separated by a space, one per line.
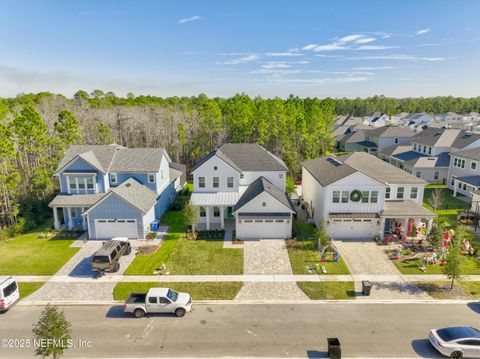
pixel 158 300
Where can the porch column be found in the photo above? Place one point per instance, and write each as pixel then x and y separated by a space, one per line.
pixel 207 212
pixel 382 227
pixel 70 221
pixel 84 220
pixel 429 225
pixel 455 184
pixel 56 224
pixel 222 217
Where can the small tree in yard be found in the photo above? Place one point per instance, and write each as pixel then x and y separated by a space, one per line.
pixel 321 236
pixel 435 238
pixel 436 199
pixel 54 332
pixel 191 216
pixel 454 258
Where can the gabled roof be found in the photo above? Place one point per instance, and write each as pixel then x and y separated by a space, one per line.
pixel 442 160
pixel 472 153
pixel 77 200
pixel 99 156
pixel 445 137
pixel 357 136
pixel 416 116
pixel 259 186
pixel 367 144
pixel 134 193
pixel 246 157
pixel 327 170
pixel 390 131
pixel 392 150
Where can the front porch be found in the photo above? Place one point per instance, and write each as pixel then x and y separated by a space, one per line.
pixel 214 209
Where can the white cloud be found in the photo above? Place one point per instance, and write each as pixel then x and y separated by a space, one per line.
pixel 423 31
pixel 189 19
pixel 283 54
pixel 365 40
pixel 375 47
pixel 398 57
pixel 366 68
pixel 276 66
pixel 349 42
pixel 309 47
pixel 241 60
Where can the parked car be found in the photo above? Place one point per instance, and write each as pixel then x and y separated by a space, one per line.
pixel 106 259
pixel 158 300
pixel 456 342
pixel 9 293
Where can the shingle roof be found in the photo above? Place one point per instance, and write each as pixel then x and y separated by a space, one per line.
pixel 445 137
pixel 405 208
pixel 259 186
pixel 136 194
pixel 101 155
pixel 473 180
pixel 327 170
pixel 442 160
pixel 472 153
pixel 367 144
pixel 77 200
pixel 246 157
pixel 416 116
pixel 391 131
pixel 137 160
pixel 392 150
pixel 357 136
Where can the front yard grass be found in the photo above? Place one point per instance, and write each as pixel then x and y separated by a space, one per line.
pixel 471 266
pixel 441 289
pixel 27 254
pixel 450 208
pixel 27 288
pixel 302 254
pixel 182 256
pixel 198 290
pixel 328 290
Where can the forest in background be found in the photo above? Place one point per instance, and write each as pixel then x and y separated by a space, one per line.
pixel 35 130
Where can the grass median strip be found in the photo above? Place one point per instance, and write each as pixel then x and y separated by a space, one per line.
pixel 328 290
pixel 27 254
pixel 441 289
pixel 198 290
pixel 27 288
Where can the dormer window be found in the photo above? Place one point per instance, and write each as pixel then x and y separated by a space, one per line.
pixel 151 178
pixel 113 178
pixel 280 175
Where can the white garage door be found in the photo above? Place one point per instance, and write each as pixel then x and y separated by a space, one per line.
pixel 109 228
pixel 264 228
pixel 352 229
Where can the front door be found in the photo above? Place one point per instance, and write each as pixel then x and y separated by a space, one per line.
pixel 229 213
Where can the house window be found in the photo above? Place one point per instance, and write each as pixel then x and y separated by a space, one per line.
pixel 436 175
pixel 73 183
pixel 230 182
pixel 418 174
pixel 464 187
pixel 241 175
pixel 161 174
pixel 424 149
pixel 151 178
pixel 414 193
pixel 387 193
pixel 215 168
pixel 460 185
pixel 336 197
pixel 89 183
pixel 374 196
pixel 264 204
pixel 396 140
pixel 201 182
pixel 203 212
pixel 455 162
pixel 81 183
pixel 216 182
pixel 429 150
pixel 280 175
pixel 414 146
pixel 113 178
pixel 452 183
pixel 345 195
pixel 216 212
pixel 400 191
pixel 473 166
pixel 365 196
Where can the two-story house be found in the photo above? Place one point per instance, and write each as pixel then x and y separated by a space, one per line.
pixel 376 119
pixel 243 184
pixel 464 171
pixel 110 190
pixel 426 155
pixel 359 196
pixel 418 119
pixel 379 138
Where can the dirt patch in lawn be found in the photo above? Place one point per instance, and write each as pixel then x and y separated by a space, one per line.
pixel 442 290
pixel 147 250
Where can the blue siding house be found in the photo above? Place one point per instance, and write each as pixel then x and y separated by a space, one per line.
pixel 110 190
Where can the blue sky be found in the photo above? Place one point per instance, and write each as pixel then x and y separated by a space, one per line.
pixel 268 48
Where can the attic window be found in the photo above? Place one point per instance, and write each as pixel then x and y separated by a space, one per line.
pixel 113 178
pixel 264 204
pixel 215 168
pixel 151 178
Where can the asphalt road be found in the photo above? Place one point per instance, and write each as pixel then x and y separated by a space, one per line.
pixel 274 330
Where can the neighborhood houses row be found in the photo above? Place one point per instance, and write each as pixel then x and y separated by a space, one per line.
pixel 110 190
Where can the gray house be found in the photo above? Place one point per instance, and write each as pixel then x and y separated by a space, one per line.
pixel 464 171
pixel 111 191
pixel 379 138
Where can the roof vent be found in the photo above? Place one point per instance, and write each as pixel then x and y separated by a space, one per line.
pixel 334 161
pixel 128 184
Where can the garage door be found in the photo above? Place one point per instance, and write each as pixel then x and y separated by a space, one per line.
pixel 353 229
pixel 109 228
pixel 264 228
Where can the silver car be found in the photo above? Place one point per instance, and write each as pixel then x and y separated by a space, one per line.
pixel 456 342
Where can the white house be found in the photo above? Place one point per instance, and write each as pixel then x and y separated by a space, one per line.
pixel 243 185
pixel 377 119
pixel 464 171
pixel 418 119
pixel 359 196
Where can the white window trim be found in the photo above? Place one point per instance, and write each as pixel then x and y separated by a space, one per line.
pixel 154 177
pixel 112 176
pixel 204 182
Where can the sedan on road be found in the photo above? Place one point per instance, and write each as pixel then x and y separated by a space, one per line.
pixel 456 342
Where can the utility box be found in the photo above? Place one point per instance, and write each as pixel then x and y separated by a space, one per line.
pixel 366 287
pixel 334 350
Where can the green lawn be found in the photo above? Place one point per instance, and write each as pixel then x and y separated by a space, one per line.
pixel 302 254
pixel 182 256
pixel 451 206
pixel 471 266
pixel 27 288
pixel 198 290
pixel 28 255
pixel 328 290
pixel 441 289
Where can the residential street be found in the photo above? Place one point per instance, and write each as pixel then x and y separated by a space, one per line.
pixel 278 330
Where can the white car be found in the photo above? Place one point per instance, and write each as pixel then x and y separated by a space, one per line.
pixel 456 342
pixel 9 293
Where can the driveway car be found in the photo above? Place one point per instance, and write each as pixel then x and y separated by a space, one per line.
pixel 456 342
pixel 9 293
pixel 158 300
pixel 106 259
